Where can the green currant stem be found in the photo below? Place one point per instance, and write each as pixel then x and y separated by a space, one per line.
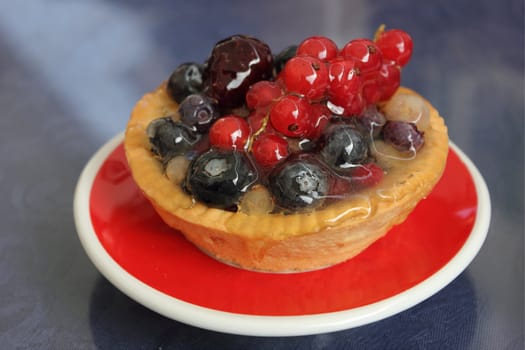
pixel 379 31
pixel 258 132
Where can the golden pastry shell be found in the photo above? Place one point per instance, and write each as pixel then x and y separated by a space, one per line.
pixel 278 242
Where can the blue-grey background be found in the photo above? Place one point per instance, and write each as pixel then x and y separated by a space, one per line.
pixel 70 72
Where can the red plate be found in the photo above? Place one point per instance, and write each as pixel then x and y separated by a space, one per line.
pixel 136 239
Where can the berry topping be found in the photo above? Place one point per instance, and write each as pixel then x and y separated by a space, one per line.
pixel 345 87
pixel 319 47
pixel 307 76
pixel 290 116
pixel 282 133
pixel 229 132
pixel 257 120
pixel 366 175
pixel 262 94
pixel 372 91
pixel 340 186
pixel 269 149
pixel 170 138
pixel 403 136
pixel 372 121
pixel 350 105
pixel 236 63
pixel 319 118
pixel 299 184
pixel 389 80
pixel 220 177
pixel 198 112
pixel 344 147
pixel 396 45
pixel 345 78
pixel 365 53
pixel 284 56
pixel 408 108
pixel 185 80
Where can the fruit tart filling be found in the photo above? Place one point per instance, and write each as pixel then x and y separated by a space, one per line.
pixel 292 132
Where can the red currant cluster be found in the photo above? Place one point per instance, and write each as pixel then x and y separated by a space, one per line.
pixel 316 83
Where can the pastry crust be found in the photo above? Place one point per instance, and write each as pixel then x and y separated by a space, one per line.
pixel 278 242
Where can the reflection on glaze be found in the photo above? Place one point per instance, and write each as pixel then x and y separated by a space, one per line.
pixel 241 76
pixel 365 210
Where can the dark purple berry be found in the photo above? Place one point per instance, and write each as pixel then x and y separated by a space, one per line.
pixel 185 80
pixel 284 56
pixel 371 121
pixel 234 65
pixel 169 138
pixel 403 136
pixel 344 147
pixel 198 112
pixel 220 177
pixel 299 184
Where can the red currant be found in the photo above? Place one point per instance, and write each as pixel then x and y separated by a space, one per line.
pixel 366 175
pixel 351 105
pixel 390 79
pixel 319 116
pixel 262 93
pixel 256 118
pixel 372 91
pixel 340 186
pixel 396 45
pixel 367 55
pixel 344 78
pixel 319 47
pixel 345 88
pixel 229 132
pixel 307 76
pixel 290 116
pixel 269 149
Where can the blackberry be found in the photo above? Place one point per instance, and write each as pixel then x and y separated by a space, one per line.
pixel 236 63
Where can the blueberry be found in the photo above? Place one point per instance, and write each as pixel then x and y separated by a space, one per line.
pixel 403 136
pixel 198 112
pixel 282 57
pixel 169 138
pixel 299 184
pixel 344 147
pixel 185 80
pixel 220 177
pixel 371 121
pixel 307 145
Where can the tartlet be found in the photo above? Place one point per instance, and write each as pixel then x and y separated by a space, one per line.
pixel 284 242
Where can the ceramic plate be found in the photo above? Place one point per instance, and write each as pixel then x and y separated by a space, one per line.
pixel 158 268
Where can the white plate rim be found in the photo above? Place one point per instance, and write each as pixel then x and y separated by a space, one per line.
pixel 254 325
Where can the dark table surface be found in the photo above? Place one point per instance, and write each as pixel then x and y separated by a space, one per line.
pixel 70 71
